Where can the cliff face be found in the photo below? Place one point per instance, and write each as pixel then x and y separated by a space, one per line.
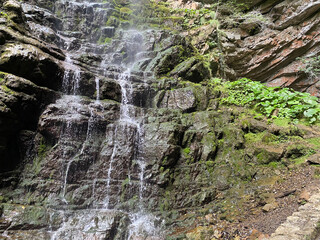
pixel 31 73
pixel 274 52
pixel 112 126
pixel 275 42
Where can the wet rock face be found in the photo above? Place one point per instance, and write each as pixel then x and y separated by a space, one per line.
pixel 275 55
pixel 21 103
pixel 30 73
pixel 87 150
pixel 31 63
pixel 103 120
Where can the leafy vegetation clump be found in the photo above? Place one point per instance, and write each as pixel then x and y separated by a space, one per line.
pixel 273 102
pixel 312 66
pixel 196 18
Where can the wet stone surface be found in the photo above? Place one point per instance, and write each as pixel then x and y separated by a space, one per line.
pixel 129 140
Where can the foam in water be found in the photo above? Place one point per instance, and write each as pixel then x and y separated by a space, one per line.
pixel 144 226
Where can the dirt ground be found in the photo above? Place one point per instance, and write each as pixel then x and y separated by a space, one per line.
pixel 292 191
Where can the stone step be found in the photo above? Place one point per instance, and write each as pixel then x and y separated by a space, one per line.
pixel 301 225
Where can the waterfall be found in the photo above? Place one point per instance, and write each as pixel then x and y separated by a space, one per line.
pixel 131 122
pixel 100 147
pixel 70 85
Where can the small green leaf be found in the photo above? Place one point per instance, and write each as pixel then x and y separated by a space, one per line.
pixel 310 113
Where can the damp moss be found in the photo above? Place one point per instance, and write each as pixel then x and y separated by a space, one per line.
pixel 210 166
pixel 125 10
pixel 6 89
pixel 165 203
pixel 274 164
pixel 300 160
pixel 113 21
pixel 2 76
pixel 314 141
pixel 42 150
pixel 124 187
pixel 106 40
pixel 299 150
pixel 186 151
pixel 263 157
pixel 253 137
pixel 282 122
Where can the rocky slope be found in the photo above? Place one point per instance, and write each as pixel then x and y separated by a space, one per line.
pixel 113 128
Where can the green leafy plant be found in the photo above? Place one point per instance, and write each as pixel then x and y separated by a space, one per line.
pixel 196 18
pixel 312 66
pixel 273 102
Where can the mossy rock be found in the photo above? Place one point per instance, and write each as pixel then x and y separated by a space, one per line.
pixel 221 178
pixel 269 138
pixel 170 58
pixel 27 216
pixel 233 137
pixel 125 11
pixel 267 154
pixel 209 147
pixel 14 11
pixel 192 69
pixel 113 21
pixel 299 150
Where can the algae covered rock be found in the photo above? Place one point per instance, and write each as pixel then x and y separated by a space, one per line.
pixel 192 69
pixel 15 12
pixel 31 63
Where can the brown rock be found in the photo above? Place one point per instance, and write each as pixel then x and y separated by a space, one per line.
pixel 209 218
pixel 272 56
pixel 270 206
pixel 314 159
pixel 183 99
pixel 304 196
pixel 257 235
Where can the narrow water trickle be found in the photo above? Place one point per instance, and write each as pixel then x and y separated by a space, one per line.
pixel 66 181
pixel 110 169
pixel 70 88
pixel 97 80
pixel 127 124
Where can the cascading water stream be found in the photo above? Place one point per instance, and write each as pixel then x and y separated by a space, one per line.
pixel 131 123
pixel 70 87
pixel 124 131
pixel 126 120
